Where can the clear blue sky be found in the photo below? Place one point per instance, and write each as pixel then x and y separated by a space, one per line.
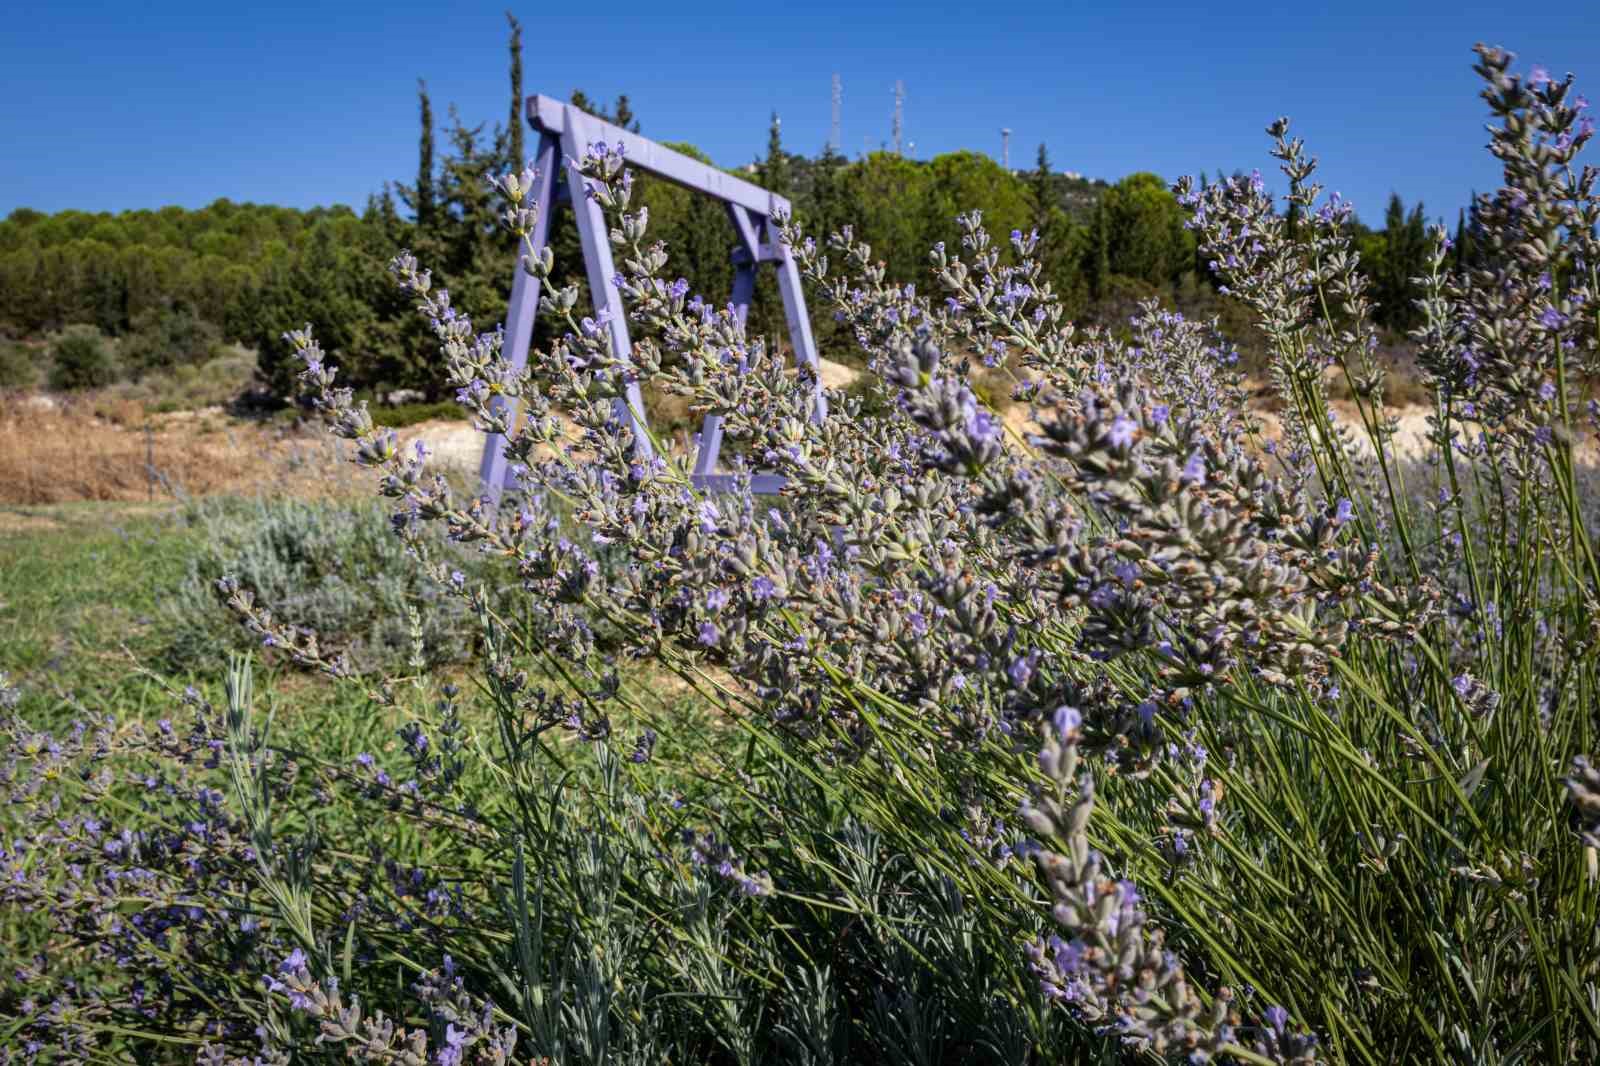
pixel 110 106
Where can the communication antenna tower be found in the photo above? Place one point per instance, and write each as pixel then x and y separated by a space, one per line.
pixel 899 112
pixel 1005 147
pixel 838 99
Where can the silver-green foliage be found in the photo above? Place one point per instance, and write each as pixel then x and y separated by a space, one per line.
pixel 334 568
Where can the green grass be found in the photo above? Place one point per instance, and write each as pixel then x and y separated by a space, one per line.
pixel 84 619
pixel 80 591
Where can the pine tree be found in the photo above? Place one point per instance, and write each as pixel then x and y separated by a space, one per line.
pixel 514 130
pixel 1054 250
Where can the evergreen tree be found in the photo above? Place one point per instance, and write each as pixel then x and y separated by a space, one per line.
pixel 821 203
pixel 1055 252
pixel 423 195
pixel 1404 258
pixel 1099 265
pixel 623 115
pixel 1461 241
pixel 1144 231
pixel 775 170
pixel 514 129
pixel 472 252
pixel 1041 189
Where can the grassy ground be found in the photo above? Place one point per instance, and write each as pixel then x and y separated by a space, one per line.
pixel 80 586
pixel 83 618
pixel 86 621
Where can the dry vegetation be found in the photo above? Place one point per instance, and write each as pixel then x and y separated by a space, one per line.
pixel 55 450
pixel 109 446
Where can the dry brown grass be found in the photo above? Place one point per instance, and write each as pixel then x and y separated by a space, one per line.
pixel 99 449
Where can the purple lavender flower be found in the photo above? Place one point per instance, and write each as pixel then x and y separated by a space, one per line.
pixel 1066 721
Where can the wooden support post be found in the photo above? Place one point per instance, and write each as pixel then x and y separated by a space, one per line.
pixel 595 238
pixel 744 288
pixel 524 307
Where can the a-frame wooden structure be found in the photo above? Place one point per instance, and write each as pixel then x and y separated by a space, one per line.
pixel 565 134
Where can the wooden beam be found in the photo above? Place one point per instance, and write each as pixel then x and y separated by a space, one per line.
pixel 552 116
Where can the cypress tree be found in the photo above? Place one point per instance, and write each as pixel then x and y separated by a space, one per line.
pixel 775 168
pixel 621 113
pixel 1100 253
pixel 1041 185
pixel 423 203
pixel 624 115
pixel 514 129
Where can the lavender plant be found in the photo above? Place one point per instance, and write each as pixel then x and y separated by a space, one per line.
pixel 330 568
pixel 1316 716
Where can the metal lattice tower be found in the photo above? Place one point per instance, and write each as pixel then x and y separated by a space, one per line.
pixel 838 100
pixel 1005 147
pixel 899 112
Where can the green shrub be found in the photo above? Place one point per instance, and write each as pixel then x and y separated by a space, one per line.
pixel 19 366
pixel 217 382
pixel 82 358
pixel 167 337
pixel 409 414
pixel 335 569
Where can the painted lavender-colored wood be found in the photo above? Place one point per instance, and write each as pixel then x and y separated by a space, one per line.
pixel 744 289
pixel 746 229
pixel 565 135
pixel 552 116
pixel 524 306
pixel 794 311
pixel 594 236
pixel 760 484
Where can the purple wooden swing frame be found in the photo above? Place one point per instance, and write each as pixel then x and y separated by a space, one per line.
pixel 565 133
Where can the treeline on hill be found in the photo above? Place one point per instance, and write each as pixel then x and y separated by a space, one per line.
pixel 171 284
